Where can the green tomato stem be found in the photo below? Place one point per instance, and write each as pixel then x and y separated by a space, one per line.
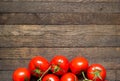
pixel 84 75
pixel 40 79
pixel 85 79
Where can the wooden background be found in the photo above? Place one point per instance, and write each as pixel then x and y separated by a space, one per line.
pixel 90 28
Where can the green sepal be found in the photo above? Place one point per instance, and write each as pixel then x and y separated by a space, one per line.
pixel 56 68
pixel 38 71
pixel 97 74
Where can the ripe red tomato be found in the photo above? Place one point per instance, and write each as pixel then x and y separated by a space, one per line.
pixel 78 64
pixel 69 77
pixel 50 77
pixel 59 65
pixel 96 72
pixel 21 74
pixel 38 65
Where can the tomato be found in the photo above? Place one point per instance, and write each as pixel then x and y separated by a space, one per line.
pixel 59 65
pixel 21 74
pixel 96 72
pixel 69 77
pixel 78 64
pixel 38 65
pixel 50 77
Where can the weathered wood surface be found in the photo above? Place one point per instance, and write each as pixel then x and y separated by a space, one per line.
pixel 28 53
pixel 111 7
pixel 20 57
pixel 38 30
pixel 69 0
pixel 60 36
pixel 60 18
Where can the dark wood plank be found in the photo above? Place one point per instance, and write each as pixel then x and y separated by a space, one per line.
pixel 111 64
pixel 69 0
pixel 118 74
pixel 28 53
pixel 6 75
pixel 53 40
pixel 35 7
pixel 60 18
pixel 109 57
pixel 59 30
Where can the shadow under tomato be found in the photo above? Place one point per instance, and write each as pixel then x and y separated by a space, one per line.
pixel 33 78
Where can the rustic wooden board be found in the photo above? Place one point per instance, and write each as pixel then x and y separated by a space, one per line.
pixel 60 29
pixel 107 63
pixel 53 40
pixel 59 36
pixel 28 53
pixel 111 7
pixel 117 75
pixel 6 75
pixel 26 30
pixel 20 57
pixel 60 18
pixel 69 0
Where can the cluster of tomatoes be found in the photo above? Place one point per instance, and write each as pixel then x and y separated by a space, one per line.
pixel 60 69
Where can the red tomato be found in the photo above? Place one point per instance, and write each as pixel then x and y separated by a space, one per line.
pixel 50 77
pixel 59 65
pixel 38 65
pixel 21 74
pixel 69 77
pixel 96 72
pixel 78 64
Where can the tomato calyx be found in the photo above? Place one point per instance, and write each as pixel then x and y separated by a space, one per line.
pixel 38 71
pixel 97 74
pixel 85 79
pixel 56 67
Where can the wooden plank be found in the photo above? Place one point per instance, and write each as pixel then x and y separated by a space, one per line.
pixel 60 18
pixel 28 53
pixel 35 7
pixel 69 0
pixel 20 57
pixel 59 30
pixel 108 63
pixel 5 76
pixel 117 75
pixel 53 40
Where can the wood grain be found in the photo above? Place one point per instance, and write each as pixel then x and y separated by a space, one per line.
pixel 52 40
pixel 28 53
pixel 117 76
pixel 60 18
pixel 107 63
pixel 6 75
pixel 69 0
pixel 59 36
pixel 111 7
pixel 26 30
pixel 20 57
